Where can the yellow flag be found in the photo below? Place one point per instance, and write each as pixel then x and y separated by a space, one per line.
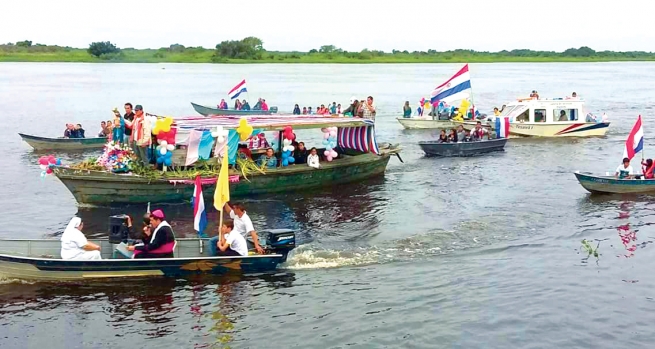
pixel 222 193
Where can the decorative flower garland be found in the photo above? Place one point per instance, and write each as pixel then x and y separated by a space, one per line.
pixel 117 157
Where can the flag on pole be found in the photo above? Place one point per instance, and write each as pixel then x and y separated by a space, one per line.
pixel 456 88
pixel 222 193
pixel 635 141
pixel 502 127
pixel 237 90
pixel 199 214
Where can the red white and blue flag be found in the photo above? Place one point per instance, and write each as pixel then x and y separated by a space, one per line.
pixel 502 127
pixel 199 214
pixel 456 88
pixel 237 90
pixel 635 141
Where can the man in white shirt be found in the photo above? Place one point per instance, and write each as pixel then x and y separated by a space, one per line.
pixel 74 245
pixel 231 243
pixel 243 225
pixel 624 171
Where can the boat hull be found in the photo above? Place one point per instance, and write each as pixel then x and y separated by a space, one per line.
pixel 415 123
pixel 582 129
pixel 45 143
pixel 611 185
pixel 433 148
pixel 207 111
pixel 97 187
pixel 39 260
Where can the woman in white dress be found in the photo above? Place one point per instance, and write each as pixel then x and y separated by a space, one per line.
pixel 74 245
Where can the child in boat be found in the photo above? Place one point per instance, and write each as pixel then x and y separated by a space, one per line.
pixel 230 243
pixel 312 159
pixel 647 168
pixel 624 171
pixel 300 154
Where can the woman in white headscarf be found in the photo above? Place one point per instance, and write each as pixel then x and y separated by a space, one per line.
pixel 74 245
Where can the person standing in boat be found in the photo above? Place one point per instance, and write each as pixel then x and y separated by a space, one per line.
pixel 159 241
pixel 230 242
pixel 141 136
pixel 75 246
pixel 407 110
pixel 624 171
pixel 128 117
pixel 477 134
pixel 243 225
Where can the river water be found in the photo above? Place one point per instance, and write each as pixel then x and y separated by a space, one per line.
pixel 439 253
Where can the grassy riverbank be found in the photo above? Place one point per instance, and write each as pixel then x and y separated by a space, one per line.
pixel 181 54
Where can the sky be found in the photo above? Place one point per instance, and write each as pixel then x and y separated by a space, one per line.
pixel 300 25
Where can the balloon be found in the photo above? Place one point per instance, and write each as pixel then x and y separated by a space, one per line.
pixel 326 135
pixel 162 151
pixel 163 143
pixel 329 158
pixel 285 155
pixel 43 174
pixel 324 130
pixel 326 142
pixel 48 171
pixel 244 130
pixel 160 160
pixel 170 147
pixel 326 153
pixel 58 163
pixel 328 148
pixel 168 162
pixel 43 160
pixel 168 155
pixel 292 148
pixel 333 133
pixel 291 159
pixel 285 162
pixel 43 167
pixel 52 160
pixel 286 141
pixel 333 153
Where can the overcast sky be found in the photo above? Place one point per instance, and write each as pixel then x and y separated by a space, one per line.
pixel 285 25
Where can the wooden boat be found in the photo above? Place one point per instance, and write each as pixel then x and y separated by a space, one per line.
pixel 425 123
pixel 434 148
pixel 530 117
pixel 352 165
pixel 612 185
pixel 207 111
pixel 46 143
pixel 40 260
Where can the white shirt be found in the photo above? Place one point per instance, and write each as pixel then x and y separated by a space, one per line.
pixel 237 243
pixel 312 161
pixel 72 242
pixel 242 224
pixel 622 170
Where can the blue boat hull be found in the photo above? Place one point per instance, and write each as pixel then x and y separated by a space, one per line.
pixel 612 185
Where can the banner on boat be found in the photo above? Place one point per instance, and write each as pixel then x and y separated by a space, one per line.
pixel 502 127
pixel 360 138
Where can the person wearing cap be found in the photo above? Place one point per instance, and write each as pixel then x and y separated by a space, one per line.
pixel 353 107
pixel 159 240
pixel 141 135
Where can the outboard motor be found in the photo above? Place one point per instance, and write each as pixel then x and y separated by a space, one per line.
pixel 118 231
pixel 280 241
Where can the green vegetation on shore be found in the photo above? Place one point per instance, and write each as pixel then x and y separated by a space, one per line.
pixel 251 50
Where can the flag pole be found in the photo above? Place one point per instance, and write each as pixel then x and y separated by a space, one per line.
pixel 472 103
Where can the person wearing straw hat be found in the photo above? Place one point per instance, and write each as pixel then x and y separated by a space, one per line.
pixel 75 246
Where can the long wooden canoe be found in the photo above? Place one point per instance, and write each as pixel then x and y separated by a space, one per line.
pixel 612 185
pixel 40 259
pixel 45 143
pixel 207 111
pixel 434 148
pixel 97 187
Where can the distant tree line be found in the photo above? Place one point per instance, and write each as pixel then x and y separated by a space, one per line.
pixel 252 48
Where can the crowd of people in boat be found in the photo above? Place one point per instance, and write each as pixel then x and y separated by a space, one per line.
pixel 74 131
pixel 625 171
pixel 478 133
pixel 364 108
pixel 244 105
pixel 301 155
pixel 157 238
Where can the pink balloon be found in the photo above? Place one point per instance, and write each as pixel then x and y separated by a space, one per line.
pixel 329 158
pixel 43 166
pixel 326 153
pixel 333 133
pixel 43 160
pixel 48 171
pixel 333 153
pixel 326 135
pixel 52 160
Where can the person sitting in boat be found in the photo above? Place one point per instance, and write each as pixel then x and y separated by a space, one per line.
pixel 452 136
pixel 244 152
pixel 461 134
pixel 159 241
pixel 245 106
pixel 333 108
pixel 223 104
pixel 647 168
pixel 562 116
pixel 78 132
pixel 539 116
pixel 264 105
pixel 309 111
pixel 313 159
pixel 74 245
pixel 269 160
pixel 296 110
pixel 68 131
pixel 258 105
pixel 103 129
pixel 304 111
pixel 624 171
pixel 237 105
pixel 230 242
pixel 407 110
pixel 300 154
pixel 339 108
pixel 353 107
pixel 478 132
pixel 258 141
pixel 243 225
pixel 443 137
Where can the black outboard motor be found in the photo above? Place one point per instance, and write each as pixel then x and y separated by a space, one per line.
pixel 118 230
pixel 280 241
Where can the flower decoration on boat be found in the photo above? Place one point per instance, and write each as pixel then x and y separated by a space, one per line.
pixel 330 142
pixel 288 148
pixel 244 130
pixel 46 163
pixel 116 157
